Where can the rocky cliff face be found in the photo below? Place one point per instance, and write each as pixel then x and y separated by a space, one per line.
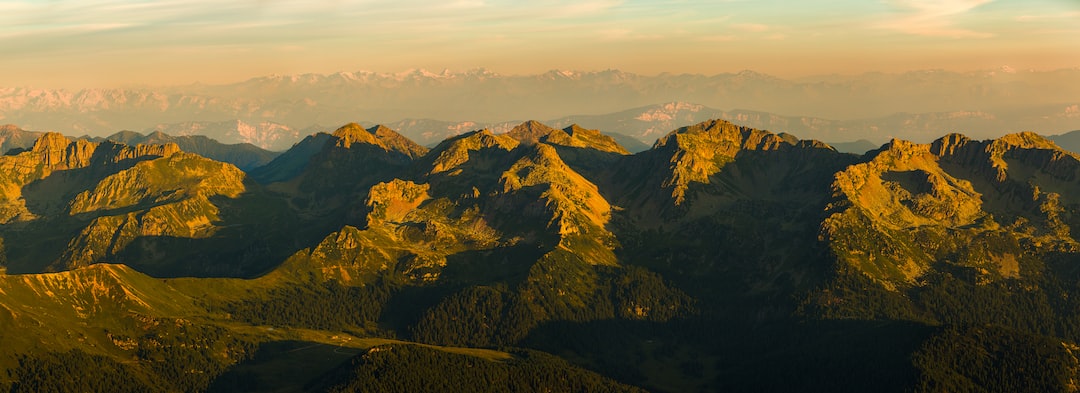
pixel 912 206
pixel 71 165
pixel 100 197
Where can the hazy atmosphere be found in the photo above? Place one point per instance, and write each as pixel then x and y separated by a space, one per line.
pixel 113 43
pixel 271 72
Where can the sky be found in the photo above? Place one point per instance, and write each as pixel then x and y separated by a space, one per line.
pixel 124 43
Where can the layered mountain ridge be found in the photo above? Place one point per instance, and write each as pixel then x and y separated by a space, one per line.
pixel 653 269
pixel 274 112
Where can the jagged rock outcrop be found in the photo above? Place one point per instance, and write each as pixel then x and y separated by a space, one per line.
pixel 913 206
pixel 75 164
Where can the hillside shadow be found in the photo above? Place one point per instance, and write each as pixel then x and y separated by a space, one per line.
pixel 283 366
pixel 50 195
pixel 915 182
pixel 733 355
pixel 481 171
pixel 747 240
pixel 33 246
pixel 508 265
pixel 591 163
pixel 257 232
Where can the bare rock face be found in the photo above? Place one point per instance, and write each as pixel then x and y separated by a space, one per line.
pixel 53 154
pixel 915 205
pixel 114 153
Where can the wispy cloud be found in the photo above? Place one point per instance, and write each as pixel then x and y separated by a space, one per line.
pixel 623 34
pixel 751 27
pixel 460 4
pixel 1045 17
pixel 717 38
pixel 586 8
pixel 935 18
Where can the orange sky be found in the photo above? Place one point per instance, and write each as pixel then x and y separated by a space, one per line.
pixel 99 43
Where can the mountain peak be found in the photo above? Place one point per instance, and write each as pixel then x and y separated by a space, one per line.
pixel 380 130
pixel 1028 140
pixel 51 141
pixel 948 144
pixel 530 132
pixel 455 151
pixel 723 135
pixel 575 128
pixel 394 140
pixel 695 153
pixel 158 134
pixel 10 128
pixel 353 133
pixel 379 135
pixel 126 136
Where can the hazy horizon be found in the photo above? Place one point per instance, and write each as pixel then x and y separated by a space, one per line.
pixel 406 71
pixel 122 43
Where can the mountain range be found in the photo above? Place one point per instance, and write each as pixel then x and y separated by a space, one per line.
pixel 273 112
pixel 545 257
